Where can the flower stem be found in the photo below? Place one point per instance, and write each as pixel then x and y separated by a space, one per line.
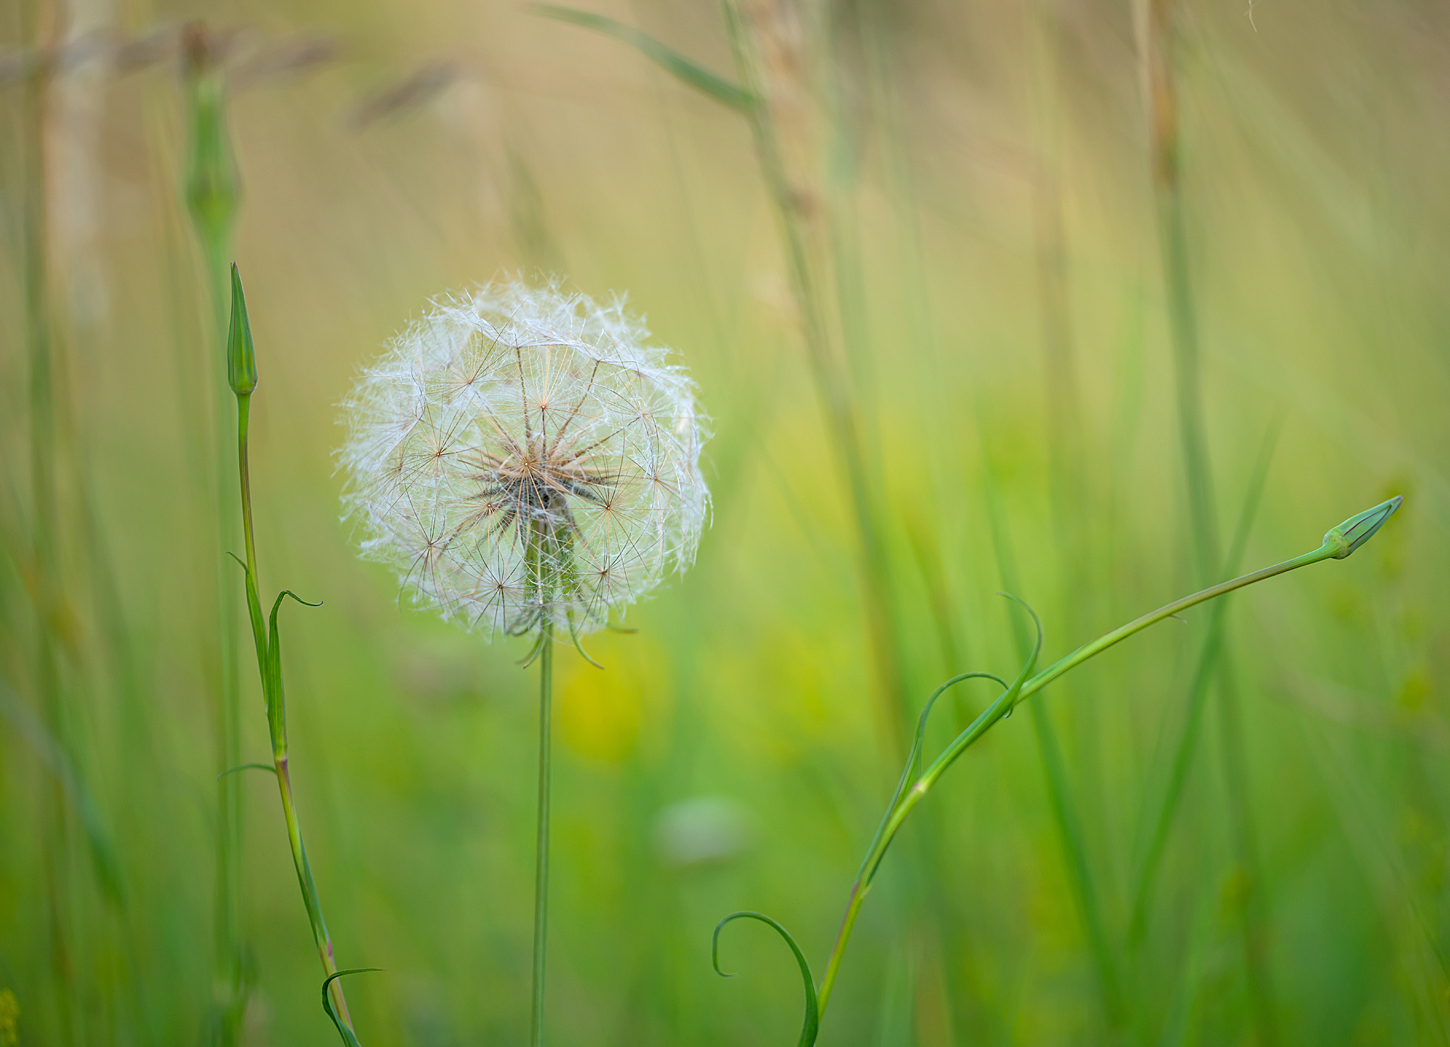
pixel 1335 546
pixel 541 860
pixel 269 664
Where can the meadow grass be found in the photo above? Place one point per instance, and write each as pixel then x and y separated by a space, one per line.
pixel 987 211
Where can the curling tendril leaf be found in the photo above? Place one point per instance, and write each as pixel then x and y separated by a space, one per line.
pixel 247 767
pixel 810 1027
pixel 348 1036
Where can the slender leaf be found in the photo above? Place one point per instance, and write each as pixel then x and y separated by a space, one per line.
pixel 93 823
pixel 348 1036
pixel 272 668
pixel 913 758
pixel 247 767
pixel 670 60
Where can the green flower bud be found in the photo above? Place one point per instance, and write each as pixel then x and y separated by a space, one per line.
pixel 241 357
pixel 1358 529
pixel 212 188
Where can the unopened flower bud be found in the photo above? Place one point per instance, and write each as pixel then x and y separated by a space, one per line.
pixel 1358 529
pixel 212 189
pixel 241 358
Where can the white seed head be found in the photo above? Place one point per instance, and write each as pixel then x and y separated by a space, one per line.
pixel 522 459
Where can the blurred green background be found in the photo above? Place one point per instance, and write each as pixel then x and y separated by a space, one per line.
pixel 976 182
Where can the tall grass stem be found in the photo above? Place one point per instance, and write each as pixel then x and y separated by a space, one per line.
pixel 541 854
pixel 1203 673
pixel 55 847
pixel 1183 323
pixel 211 199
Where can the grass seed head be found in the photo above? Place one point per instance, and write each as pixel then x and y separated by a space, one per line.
pixel 522 458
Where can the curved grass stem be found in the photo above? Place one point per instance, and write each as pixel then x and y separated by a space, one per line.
pixel 1337 544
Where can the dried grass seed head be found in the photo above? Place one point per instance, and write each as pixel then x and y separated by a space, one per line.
pixel 522 457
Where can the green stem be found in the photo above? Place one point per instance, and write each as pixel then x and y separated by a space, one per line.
pixel 277 721
pixel 211 200
pixel 244 472
pixel 1325 552
pixel 541 859
pixel 1334 546
pixel 229 825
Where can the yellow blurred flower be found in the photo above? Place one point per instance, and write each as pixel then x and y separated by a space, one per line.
pixel 601 714
pixel 9 1019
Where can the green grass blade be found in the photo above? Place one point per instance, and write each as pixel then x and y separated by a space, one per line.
pixel 1066 815
pixel 670 60
pixel 98 836
pixel 1198 692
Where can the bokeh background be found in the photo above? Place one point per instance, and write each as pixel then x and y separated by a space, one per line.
pixel 976 184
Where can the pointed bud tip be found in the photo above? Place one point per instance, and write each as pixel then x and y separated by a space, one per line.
pixel 1360 528
pixel 241 357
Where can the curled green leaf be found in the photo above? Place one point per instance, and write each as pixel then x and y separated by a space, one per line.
pixel 1016 689
pixel 668 59
pixel 344 1030
pixel 913 764
pixel 272 673
pixel 810 1027
pixel 288 592
pixel 998 710
pixel 247 767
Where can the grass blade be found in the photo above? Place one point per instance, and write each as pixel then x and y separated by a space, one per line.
pixel 1198 692
pixel 667 58
pixel 98 837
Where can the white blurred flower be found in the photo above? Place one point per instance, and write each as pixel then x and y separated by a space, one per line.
pixel 522 458
pixel 702 830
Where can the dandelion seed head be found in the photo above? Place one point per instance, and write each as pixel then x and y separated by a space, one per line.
pixel 523 458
